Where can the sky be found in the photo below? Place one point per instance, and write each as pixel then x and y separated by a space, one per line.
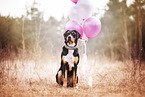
pixel 55 8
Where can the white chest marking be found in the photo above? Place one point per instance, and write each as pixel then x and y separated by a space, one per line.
pixel 70 59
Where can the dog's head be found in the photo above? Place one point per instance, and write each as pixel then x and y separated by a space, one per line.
pixel 71 37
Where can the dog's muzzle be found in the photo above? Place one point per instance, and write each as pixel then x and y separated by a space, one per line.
pixel 69 38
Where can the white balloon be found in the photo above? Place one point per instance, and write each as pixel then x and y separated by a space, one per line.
pixel 74 14
pixel 85 8
pixel 85 2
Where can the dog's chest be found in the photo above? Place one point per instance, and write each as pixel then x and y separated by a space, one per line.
pixel 70 58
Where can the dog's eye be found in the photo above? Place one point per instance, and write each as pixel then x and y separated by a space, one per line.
pixel 73 33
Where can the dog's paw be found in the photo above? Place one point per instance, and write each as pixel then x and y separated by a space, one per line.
pixel 74 83
pixel 76 87
pixel 64 85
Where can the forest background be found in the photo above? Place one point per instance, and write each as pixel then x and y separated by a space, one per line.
pixel 30 37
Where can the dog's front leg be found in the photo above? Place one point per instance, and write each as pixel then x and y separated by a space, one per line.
pixel 74 78
pixel 64 68
pixel 65 79
pixel 75 72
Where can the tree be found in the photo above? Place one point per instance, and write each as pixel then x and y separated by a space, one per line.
pixel 111 34
pixel 137 11
pixel 125 18
pixel 36 25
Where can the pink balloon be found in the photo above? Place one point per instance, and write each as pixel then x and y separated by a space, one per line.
pixel 73 25
pixel 74 1
pixel 91 27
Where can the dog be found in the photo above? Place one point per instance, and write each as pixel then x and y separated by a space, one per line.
pixel 67 73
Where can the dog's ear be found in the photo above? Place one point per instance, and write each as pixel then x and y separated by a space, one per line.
pixel 65 34
pixel 78 34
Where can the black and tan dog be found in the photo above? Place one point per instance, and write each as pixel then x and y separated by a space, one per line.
pixel 67 73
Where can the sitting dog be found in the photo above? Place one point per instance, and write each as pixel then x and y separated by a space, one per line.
pixel 67 73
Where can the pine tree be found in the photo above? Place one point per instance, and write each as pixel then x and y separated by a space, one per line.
pixel 112 28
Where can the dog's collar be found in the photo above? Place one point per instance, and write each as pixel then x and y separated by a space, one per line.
pixel 70 47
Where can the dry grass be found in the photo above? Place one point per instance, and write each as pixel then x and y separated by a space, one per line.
pixel 30 79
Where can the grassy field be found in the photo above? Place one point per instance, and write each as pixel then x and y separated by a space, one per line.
pixel 96 79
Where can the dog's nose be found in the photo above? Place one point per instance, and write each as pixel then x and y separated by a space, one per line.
pixel 69 38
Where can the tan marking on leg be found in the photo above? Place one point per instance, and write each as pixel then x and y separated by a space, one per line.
pixel 65 79
pixel 74 79
pixel 76 60
pixel 63 59
pixel 59 76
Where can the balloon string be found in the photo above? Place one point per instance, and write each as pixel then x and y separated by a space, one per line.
pixel 84 63
pixel 86 74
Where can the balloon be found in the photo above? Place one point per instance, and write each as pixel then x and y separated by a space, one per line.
pixel 73 25
pixel 85 8
pixel 74 15
pixel 74 1
pixel 91 27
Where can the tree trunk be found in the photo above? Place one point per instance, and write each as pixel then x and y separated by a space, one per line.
pixel 37 49
pixel 140 33
pixel 140 28
pixel 23 39
pixel 125 30
pixel 135 49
